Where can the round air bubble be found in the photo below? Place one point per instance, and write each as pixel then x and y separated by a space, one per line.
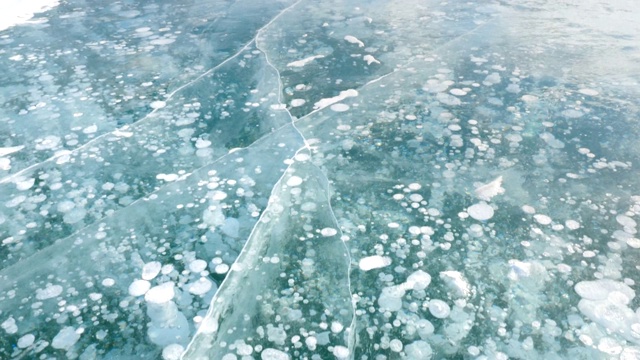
pixel 418 350
pixel 25 184
pixel 158 104
pixel 74 216
pixel 480 211
pixel 197 266
pixel 222 269
pixel 439 309
pixel 475 230
pixel 328 232
pixel 542 219
pixel 200 287
pixel 219 195
pixel 160 294
pixel 294 181
pixel 336 327
pixel 425 328
pixel 391 298
pixel 626 221
pixel 341 352
pixel 65 339
pixel 139 287
pixel 419 280
pixel 26 341
pixel 395 345
pixel 339 107
pixel 273 354
pixel 9 325
pixel 572 224
pixel 150 270
pixel 297 102
pixel 528 209
pixel 172 352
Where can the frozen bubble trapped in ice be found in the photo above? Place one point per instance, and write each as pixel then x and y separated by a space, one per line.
pixel 480 211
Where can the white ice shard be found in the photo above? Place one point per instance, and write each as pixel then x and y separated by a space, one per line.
pixel 374 262
pixel 456 282
pixel 305 61
pixel 4 151
pixel 354 40
pixel 370 59
pixel 323 103
pixel 15 12
pixel 489 190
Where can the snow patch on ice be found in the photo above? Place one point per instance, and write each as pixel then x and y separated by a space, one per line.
pixel 16 12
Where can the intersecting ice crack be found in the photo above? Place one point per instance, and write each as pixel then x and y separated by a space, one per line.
pixel 159 106
pixel 305 148
pixel 352 325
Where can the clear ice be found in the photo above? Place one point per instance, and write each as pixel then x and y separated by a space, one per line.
pixel 387 179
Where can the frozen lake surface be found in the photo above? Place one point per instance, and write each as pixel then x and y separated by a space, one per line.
pixel 367 180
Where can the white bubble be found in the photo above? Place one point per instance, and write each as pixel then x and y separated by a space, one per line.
pixel 626 221
pixel 439 308
pixel 297 102
pixel 328 232
pixel 294 181
pixel 26 341
pixel 341 352
pixel 222 269
pixel 542 219
pixel 197 266
pixel 160 294
pixel 390 298
pixel 150 270
pixel 336 327
pixel 200 286
pixel 158 104
pixel 589 92
pixel 419 350
pixel 139 287
pixel 65 339
pixel 49 292
pixel 572 224
pixel 74 216
pixel 273 354
pixel 374 262
pixel 395 345
pixel 529 98
pixel 172 352
pixel 419 280
pixel 480 211
pixel 25 184
pixel 339 107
